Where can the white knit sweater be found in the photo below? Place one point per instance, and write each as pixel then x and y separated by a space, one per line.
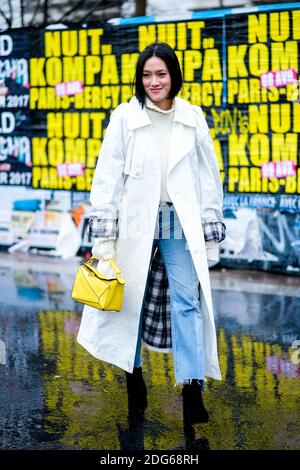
pixel 162 123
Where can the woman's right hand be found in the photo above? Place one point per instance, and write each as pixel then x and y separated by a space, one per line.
pixel 104 248
pixel 212 250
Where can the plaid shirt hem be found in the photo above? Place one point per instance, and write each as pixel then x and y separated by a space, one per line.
pixel 156 329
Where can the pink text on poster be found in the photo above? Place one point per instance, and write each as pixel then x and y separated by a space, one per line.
pixel 278 365
pixel 69 88
pixel 70 169
pixel 278 169
pixel 278 78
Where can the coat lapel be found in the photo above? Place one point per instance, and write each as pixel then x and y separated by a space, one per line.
pixel 184 123
pixel 181 143
pixel 182 138
pixel 137 116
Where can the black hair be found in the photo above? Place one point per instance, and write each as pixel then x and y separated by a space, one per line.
pixel 167 54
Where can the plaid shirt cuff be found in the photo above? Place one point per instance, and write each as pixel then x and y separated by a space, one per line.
pixel 103 228
pixel 108 228
pixel 214 231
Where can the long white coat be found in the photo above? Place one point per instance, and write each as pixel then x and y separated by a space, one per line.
pixel 127 185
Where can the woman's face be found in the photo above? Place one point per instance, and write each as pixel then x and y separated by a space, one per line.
pixel 157 82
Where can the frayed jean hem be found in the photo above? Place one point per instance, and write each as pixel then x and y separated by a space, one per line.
pixel 201 382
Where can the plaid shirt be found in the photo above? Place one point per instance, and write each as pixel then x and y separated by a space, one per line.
pixel 156 330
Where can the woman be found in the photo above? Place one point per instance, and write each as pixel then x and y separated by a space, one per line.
pixel 157 210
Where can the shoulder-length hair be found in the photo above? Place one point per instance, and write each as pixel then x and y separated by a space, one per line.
pixel 167 54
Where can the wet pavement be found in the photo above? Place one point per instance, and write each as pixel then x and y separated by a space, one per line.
pixel 54 395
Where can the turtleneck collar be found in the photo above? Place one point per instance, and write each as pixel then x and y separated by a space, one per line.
pixel 150 105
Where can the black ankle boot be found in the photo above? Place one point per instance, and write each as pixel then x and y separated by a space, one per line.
pixel 136 387
pixel 137 397
pixel 193 408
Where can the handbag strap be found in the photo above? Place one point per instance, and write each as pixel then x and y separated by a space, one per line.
pixel 114 266
pixel 111 261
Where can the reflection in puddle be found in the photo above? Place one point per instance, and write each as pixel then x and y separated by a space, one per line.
pixel 254 405
pixel 55 395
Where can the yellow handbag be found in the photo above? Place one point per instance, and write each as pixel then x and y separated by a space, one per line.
pixel 97 290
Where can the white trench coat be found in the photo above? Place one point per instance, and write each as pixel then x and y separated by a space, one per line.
pixel 126 185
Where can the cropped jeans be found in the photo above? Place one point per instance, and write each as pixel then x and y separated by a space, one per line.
pixel 186 314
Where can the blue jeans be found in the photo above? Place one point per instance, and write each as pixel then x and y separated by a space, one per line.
pixel 186 313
